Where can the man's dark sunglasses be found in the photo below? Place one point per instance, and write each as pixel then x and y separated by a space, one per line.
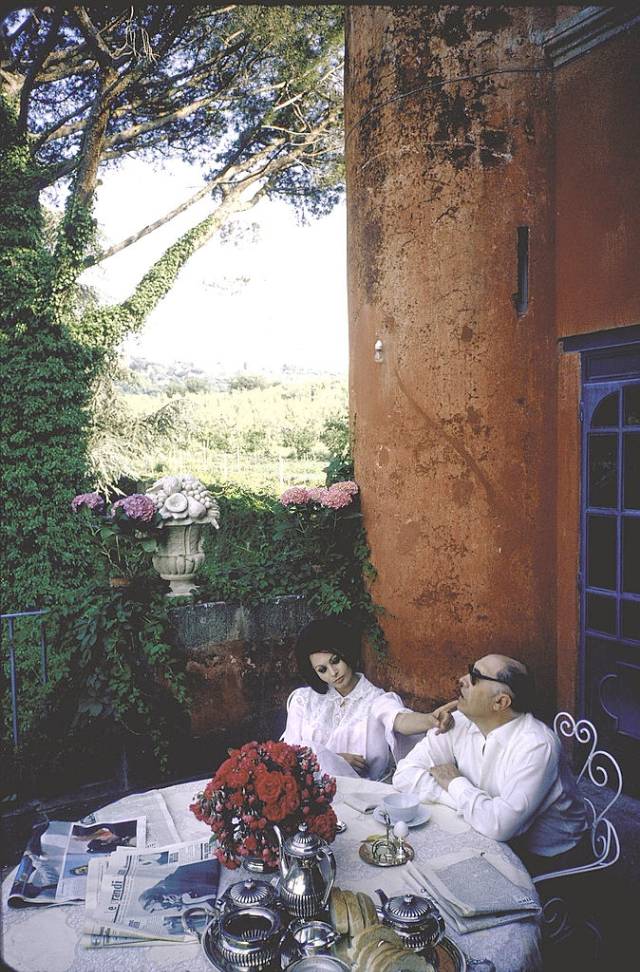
pixel 477 676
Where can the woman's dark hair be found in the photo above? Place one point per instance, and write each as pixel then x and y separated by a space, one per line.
pixel 325 635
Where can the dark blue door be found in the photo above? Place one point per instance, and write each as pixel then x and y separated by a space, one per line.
pixel 610 582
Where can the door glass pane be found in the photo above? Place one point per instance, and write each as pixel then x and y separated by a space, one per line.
pixel 631 467
pixel 631 554
pixel 606 412
pixel 631 620
pixel 601 552
pixel 631 408
pixel 601 613
pixel 603 470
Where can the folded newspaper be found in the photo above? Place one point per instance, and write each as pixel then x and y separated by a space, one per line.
pixel 139 897
pixel 53 868
pixel 475 890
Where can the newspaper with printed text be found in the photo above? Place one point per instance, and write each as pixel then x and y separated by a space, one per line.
pixel 142 895
pixel 475 890
pixel 55 863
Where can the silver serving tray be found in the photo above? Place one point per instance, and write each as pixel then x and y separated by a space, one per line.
pixel 450 957
pixel 366 853
pixel 220 963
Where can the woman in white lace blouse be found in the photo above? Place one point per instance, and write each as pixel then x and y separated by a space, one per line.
pixel 350 724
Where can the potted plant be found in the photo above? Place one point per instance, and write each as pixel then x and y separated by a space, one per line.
pixel 125 532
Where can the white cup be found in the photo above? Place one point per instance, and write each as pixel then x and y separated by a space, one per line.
pixel 400 806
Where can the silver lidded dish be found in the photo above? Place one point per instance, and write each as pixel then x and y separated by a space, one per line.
pixel 416 919
pixel 250 893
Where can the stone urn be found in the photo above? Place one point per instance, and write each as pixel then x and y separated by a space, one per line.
pixel 180 554
pixel 187 508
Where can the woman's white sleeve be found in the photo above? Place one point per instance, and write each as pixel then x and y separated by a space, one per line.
pixel 385 709
pixel 293 730
pixel 293 734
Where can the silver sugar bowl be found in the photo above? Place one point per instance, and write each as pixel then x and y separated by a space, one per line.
pixel 416 919
pixel 312 938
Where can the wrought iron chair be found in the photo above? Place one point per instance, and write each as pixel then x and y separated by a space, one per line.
pixel 602 770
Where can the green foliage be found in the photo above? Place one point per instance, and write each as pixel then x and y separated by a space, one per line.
pixel 250 95
pixel 116 679
pixel 45 376
pixel 265 435
pixel 265 550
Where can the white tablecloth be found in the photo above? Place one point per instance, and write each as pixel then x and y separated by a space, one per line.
pixel 48 939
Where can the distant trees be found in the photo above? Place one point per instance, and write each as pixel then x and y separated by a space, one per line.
pixel 302 423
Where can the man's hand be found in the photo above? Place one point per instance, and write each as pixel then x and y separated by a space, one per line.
pixel 443 716
pixel 357 762
pixel 444 773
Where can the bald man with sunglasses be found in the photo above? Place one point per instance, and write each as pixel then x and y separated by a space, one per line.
pixel 499 767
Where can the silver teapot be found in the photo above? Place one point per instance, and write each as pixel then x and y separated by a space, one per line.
pixel 307 872
pixel 416 919
pixel 247 894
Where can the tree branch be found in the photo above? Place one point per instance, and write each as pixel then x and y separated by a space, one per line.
pixel 32 73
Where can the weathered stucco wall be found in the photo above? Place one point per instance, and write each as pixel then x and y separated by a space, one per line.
pixel 240 667
pixel 449 121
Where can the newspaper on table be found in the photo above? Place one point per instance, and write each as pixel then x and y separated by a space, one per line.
pixel 161 830
pixel 54 865
pixel 141 895
pixel 474 890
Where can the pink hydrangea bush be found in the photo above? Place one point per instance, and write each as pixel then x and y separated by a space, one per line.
pixel 334 497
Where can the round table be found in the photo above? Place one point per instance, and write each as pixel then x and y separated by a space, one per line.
pixel 48 939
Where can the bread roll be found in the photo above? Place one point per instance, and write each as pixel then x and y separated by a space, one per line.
pixel 356 921
pixel 404 960
pixel 373 934
pixel 383 955
pixel 338 913
pixel 368 909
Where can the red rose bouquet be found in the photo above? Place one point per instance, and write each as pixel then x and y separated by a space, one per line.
pixel 263 784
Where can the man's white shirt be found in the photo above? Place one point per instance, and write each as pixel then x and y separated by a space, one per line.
pixel 515 781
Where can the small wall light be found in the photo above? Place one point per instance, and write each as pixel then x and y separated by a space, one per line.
pixel 378 349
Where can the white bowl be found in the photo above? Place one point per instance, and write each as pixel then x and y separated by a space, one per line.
pixel 400 806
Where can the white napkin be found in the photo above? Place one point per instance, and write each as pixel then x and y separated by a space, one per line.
pixel 364 802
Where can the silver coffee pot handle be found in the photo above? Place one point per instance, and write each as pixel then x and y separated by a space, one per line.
pixel 328 854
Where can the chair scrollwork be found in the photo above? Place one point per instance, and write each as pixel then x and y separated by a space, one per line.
pixel 602 770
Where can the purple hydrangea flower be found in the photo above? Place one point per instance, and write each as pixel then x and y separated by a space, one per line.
pixel 137 507
pixel 93 502
pixel 339 495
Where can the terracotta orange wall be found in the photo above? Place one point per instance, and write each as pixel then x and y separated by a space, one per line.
pixel 598 271
pixel 455 427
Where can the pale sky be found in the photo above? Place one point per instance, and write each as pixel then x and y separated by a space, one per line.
pixel 292 310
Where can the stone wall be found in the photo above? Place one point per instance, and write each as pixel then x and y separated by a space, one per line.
pixel 240 667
